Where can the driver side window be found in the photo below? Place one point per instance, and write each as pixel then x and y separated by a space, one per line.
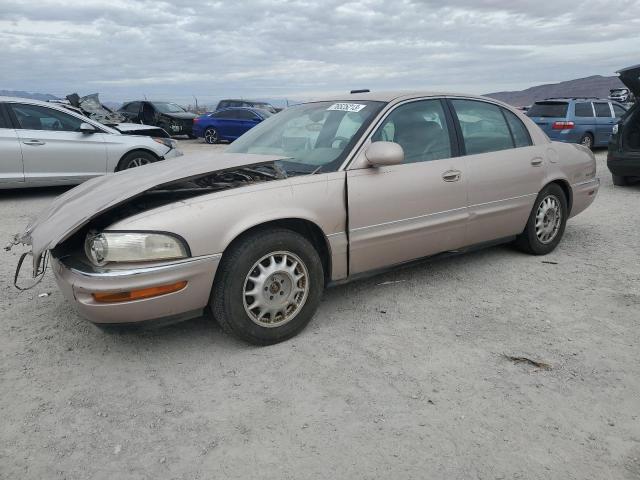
pixel 421 130
pixel 35 117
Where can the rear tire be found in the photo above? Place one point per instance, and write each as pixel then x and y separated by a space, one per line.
pixel 619 180
pixel 587 141
pixel 546 223
pixel 211 136
pixel 135 159
pixel 268 286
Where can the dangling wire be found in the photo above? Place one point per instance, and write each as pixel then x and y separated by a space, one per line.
pixel 44 263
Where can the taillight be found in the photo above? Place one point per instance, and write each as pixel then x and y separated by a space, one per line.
pixel 562 125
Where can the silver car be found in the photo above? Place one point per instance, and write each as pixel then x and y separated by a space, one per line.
pixel 42 144
pixel 319 194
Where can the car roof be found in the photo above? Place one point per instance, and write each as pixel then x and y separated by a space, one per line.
pixel 28 100
pixel 397 96
pixel 562 99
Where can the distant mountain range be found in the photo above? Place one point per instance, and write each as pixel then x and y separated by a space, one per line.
pixel 594 86
pixel 35 96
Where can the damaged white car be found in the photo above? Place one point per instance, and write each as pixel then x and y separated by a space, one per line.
pixel 44 144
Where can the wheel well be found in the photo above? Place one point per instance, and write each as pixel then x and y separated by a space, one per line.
pixel 119 166
pixel 306 228
pixel 566 188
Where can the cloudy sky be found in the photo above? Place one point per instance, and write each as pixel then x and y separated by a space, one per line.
pixel 300 49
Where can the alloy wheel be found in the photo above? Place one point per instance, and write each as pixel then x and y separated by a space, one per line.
pixel 211 136
pixel 548 219
pixel 275 289
pixel 137 162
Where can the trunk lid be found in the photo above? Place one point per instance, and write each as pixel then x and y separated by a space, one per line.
pixel 546 113
pixel 630 76
pixel 73 209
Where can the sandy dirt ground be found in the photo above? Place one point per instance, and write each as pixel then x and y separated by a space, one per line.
pixel 399 376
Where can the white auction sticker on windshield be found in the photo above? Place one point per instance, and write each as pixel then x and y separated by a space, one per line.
pixel 347 107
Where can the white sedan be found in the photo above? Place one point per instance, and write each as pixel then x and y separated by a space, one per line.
pixel 43 144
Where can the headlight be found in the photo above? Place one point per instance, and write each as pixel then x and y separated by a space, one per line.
pixel 109 247
pixel 167 142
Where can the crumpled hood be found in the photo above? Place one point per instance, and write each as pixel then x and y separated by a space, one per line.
pixel 181 115
pixel 73 209
pixel 630 76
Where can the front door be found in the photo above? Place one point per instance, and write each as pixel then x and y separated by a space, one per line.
pixel 505 171
pixel 415 209
pixel 10 154
pixel 53 148
pixel 604 123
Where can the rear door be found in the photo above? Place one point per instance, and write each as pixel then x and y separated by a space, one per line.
pixel 11 169
pixel 504 169
pixel 546 113
pixel 403 212
pixel 246 121
pixel 584 119
pixel 604 122
pixel 53 148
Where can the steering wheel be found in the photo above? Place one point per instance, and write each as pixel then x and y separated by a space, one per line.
pixel 343 142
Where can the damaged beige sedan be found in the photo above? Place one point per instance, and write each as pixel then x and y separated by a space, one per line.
pixel 319 194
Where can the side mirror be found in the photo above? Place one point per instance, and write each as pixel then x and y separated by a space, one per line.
pixel 380 154
pixel 87 128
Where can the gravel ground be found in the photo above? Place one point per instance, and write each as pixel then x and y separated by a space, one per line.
pixel 399 376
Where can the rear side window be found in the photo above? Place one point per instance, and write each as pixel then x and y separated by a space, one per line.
pixel 133 107
pixel 548 109
pixel 4 123
pixel 36 117
pixel 226 114
pixel 618 111
pixel 602 110
pixel 245 115
pixel 484 128
pixel 584 109
pixel 520 133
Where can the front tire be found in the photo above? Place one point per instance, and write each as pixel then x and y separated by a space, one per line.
pixel 619 180
pixel 211 136
pixel 268 286
pixel 546 223
pixel 587 141
pixel 135 159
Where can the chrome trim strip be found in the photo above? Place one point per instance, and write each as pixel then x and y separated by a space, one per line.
pixel 407 219
pixel 595 181
pixel 104 272
pixel 471 207
pixel 334 234
pixel 504 200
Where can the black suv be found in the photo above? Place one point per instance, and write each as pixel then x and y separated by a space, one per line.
pixel 170 116
pixel 246 103
pixel 623 158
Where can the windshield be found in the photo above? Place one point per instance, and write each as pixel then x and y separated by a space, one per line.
pixel 548 109
pixel 313 136
pixel 166 107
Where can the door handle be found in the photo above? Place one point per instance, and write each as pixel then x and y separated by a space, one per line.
pixel 451 175
pixel 536 162
pixel 34 142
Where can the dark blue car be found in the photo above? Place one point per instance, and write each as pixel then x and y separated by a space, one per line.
pixel 588 121
pixel 228 123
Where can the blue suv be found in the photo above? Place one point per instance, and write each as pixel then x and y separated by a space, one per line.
pixel 588 121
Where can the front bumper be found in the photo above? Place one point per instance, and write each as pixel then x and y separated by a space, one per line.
pixel 584 193
pixel 624 166
pixel 173 153
pixel 78 281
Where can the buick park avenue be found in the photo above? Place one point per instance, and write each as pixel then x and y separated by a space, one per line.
pixel 322 193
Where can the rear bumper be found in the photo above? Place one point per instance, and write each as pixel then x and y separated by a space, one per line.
pixel 78 281
pixel 584 193
pixel 624 166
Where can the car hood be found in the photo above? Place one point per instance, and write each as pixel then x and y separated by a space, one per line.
pixel 132 127
pixel 181 115
pixel 72 210
pixel 630 76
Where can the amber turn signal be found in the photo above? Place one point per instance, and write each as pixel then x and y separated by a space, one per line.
pixel 149 292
